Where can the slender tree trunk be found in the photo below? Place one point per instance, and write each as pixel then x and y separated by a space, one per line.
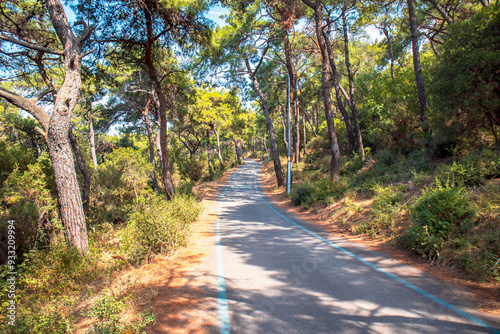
pixel 292 72
pixel 419 78
pixel 352 96
pixel 162 110
pixel 152 160
pixel 209 156
pixel 92 139
pixel 70 201
pixel 238 157
pixel 282 117
pixel 270 127
pixel 158 147
pixel 219 153
pixel 332 134
pixel 338 94
pixel 389 48
pixel 85 172
pixel 304 142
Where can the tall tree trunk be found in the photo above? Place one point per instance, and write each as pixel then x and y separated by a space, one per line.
pixel 422 95
pixel 352 97
pixel 219 153
pixel 270 127
pixel 325 85
pixel 338 93
pixel 283 123
pixel 83 169
pixel 292 72
pixel 92 139
pixel 158 147
pixel 70 201
pixel 209 156
pixel 238 157
pixel 162 110
pixel 304 142
pixel 389 48
pixel 152 160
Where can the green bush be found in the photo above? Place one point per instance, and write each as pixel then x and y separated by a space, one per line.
pixel 439 212
pixel 120 181
pixel 27 200
pixel 473 169
pixel 159 226
pixel 302 193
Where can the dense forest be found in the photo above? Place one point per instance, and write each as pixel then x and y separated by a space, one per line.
pixel 111 112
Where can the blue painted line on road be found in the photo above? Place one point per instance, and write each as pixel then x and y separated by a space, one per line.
pixel 394 277
pixel 224 321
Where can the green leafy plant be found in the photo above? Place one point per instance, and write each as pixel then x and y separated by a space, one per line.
pixel 159 226
pixel 440 211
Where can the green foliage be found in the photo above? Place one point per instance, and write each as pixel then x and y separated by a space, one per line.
pixel 194 168
pixel 465 80
pixel 120 181
pixel 159 226
pixel 473 169
pixel 385 211
pixel 26 199
pixel 441 211
pixel 301 194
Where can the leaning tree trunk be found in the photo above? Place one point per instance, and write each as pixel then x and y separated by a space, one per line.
pixel 270 127
pixel 419 78
pixel 70 201
pixel 325 85
pixel 162 108
pixel 352 97
pixel 151 145
pixel 338 94
pixel 83 169
pixel 209 156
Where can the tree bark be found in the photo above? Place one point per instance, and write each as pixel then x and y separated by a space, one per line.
pixel 209 155
pixel 70 201
pixel 219 153
pixel 338 94
pixel 352 96
pixel 83 169
pixel 158 147
pixel 269 123
pixel 292 72
pixel 304 142
pixel 162 110
pixel 238 157
pixel 283 123
pixel 92 138
pixel 422 95
pixel 325 85
pixel 152 160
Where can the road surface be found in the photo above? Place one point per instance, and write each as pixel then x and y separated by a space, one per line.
pixel 278 274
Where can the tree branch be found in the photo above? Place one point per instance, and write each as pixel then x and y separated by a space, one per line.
pixel 31 46
pixel 28 105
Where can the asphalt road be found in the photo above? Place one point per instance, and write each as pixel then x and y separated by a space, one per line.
pixel 278 274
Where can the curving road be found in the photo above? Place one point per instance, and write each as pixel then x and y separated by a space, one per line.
pixel 278 274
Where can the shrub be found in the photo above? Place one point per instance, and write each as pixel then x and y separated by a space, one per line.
pixel 439 212
pixel 121 180
pixel 159 226
pixel 473 169
pixel 26 199
pixel 302 193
